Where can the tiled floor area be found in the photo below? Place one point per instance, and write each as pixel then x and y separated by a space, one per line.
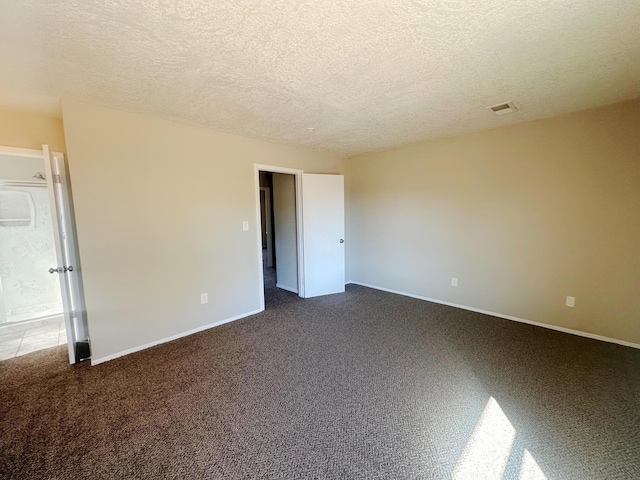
pixel 20 339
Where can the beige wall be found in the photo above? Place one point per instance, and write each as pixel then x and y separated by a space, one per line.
pixel 159 210
pixel 284 229
pixel 523 216
pixel 30 130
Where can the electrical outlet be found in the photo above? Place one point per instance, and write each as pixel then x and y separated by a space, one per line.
pixel 204 298
pixel 571 302
pixel 454 282
pixel 245 226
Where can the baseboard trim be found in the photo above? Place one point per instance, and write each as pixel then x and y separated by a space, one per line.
pixel 287 288
pixel 171 338
pixel 580 333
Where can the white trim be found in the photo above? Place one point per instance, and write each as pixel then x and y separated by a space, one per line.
pixel 26 152
pixel 21 152
pixel 257 168
pixel 61 237
pixel 256 189
pixel 22 183
pixel 96 361
pixel 593 336
pixel 285 287
pixel 300 234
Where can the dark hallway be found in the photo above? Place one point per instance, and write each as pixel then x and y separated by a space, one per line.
pixel 273 296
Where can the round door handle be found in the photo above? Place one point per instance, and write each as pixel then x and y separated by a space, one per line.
pixel 342 240
pixel 61 269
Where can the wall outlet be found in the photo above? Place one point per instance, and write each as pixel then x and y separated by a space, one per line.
pixel 245 226
pixel 571 302
pixel 454 282
pixel 204 298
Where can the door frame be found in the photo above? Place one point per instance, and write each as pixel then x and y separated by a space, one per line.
pixel 257 168
pixel 68 229
pixel 22 152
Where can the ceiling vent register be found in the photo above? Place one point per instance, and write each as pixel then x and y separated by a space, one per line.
pixel 503 108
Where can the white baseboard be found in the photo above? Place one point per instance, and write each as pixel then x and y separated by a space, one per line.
pixel 287 288
pixel 507 317
pixel 172 337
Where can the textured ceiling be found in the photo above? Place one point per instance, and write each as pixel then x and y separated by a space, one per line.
pixel 367 75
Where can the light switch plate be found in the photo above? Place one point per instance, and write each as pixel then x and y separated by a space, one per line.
pixel 245 226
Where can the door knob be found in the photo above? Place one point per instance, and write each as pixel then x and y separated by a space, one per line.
pixel 342 240
pixel 61 269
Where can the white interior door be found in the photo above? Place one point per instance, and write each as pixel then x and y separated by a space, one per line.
pixel 323 231
pixel 66 252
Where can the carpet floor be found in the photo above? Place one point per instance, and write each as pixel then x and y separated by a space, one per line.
pixel 364 384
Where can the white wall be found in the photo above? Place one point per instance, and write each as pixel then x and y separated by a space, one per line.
pixel 284 218
pixel 159 209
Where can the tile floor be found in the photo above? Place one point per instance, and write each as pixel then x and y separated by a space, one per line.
pixel 16 340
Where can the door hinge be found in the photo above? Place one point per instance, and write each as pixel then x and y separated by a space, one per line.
pixel 56 178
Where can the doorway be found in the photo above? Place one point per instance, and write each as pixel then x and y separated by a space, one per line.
pixel 31 315
pixel 40 298
pixel 279 235
pixel 318 266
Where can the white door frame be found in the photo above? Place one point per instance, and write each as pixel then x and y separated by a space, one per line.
pixel 257 168
pixel 57 228
pixel 21 152
pixel 59 231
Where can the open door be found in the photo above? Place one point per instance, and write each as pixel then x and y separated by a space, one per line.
pixel 323 231
pixel 67 256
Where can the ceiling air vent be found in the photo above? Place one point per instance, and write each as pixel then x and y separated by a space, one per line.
pixel 503 108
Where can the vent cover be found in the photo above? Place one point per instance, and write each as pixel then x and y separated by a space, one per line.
pixel 503 108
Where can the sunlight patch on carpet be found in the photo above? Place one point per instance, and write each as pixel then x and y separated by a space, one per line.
pixel 489 447
pixel 488 450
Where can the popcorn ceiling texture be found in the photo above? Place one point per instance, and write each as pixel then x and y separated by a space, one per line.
pixel 367 75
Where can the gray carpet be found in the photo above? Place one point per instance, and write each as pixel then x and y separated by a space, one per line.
pixel 364 384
